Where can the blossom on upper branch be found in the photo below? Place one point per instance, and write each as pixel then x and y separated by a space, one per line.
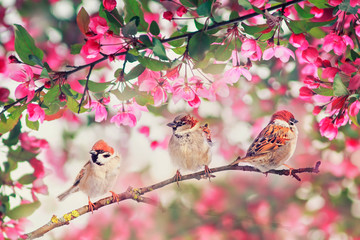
pixel 32 144
pixel 35 113
pixel 187 89
pixel 27 87
pixel 158 89
pixel 109 5
pixel 337 43
pixel 251 49
pixel 100 109
pixel 280 52
pixel 128 114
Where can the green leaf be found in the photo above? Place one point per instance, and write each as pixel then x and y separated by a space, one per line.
pixel 130 57
pixel 52 95
pixel 27 179
pixel 198 45
pixel 354 55
pixel 324 91
pixel 146 40
pixel 83 20
pixel 127 94
pixel 339 87
pixel 301 26
pixel 159 49
pixel 303 12
pixel 129 29
pixel 320 3
pixel 214 68
pixel 221 52
pixel 25 46
pixel 153 64
pixel 154 28
pixel 204 9
pixel 258 10
pixel 254 29
pixel 36 60
pixel 189 3
pixel 32 125
pixel 245 4
pixel 134 72
pixel 133 9
pixel 113 19
pixel 94 86
pixel 12 120
pixel 317 32
pixel 23 210
pixel 144 99
pixel 346 7
pixel 179 50
pixel 13 136
pixel 44 73
pixel 76 48
pixel 20 155
pixel 73 105
pixel 179 42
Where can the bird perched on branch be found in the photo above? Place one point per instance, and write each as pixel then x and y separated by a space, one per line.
pixel 274 145
pixel 98 175
pixel 189 146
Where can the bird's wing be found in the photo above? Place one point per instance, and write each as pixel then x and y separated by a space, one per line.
pixel 207 133
pixel 270 138
pixel 81 174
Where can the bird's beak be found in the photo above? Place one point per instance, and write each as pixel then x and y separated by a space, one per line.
pixel 92 152
pixel 172 124
pixel 295 121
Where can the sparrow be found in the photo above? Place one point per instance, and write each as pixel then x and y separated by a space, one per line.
pixel 274 145
pixel 98 175
pixel 190 144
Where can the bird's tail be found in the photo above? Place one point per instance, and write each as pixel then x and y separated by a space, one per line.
pixel 249 159
pixel 64 195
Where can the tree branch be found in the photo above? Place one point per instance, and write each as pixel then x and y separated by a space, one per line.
pixel 216 25
pixel 136 194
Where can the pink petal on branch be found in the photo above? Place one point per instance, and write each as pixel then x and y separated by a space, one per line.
pixel 124 118
pixel 168 15
pixel 354 83
pixel 328 128
pixel 310 54
pixel 181 11
pixel 109 5
pixel 35 113
pixel 354 108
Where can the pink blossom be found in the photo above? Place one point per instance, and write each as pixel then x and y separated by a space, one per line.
pixel 27 88
pixel 232 75
pixel 32 144
pixel 35 113
pixel 39 187
pixel 12 229
pixel 39 170
pixel 335 3
pixel 90 49
pixel 341 120
pixel 4 94
pixel 100 109
pixel 163 144
pixel 357 30
pixel 158 89
pixel 145 130
pixel 354 108
pixel 306 93
pixel 354 83
pixel 129 113
pixel 212 199
pixel 251 49
pixel 218 87
pixel 354 3
pixel 328 128
pixel 317 110
pixel 298 41
pixel 318 12
pixel 168 15
pixel 310 54
pixel 348 68
pixel 280 52
pixel 337 43
pixel 109 5
pixel 312 82
pixel 181 11
pixel 258 3
pixel 98 26
pixel 330 73
pixel 57 161
pixel 186 90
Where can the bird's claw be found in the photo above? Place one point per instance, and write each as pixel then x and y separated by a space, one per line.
pixel 177 177
pixel 115 197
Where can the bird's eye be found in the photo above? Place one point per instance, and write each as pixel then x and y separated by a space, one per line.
pixel 106 155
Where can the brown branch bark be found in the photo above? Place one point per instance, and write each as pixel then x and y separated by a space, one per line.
pixel 136 194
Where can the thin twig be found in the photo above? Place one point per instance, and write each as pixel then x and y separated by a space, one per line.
pixel 136 194
pixel 86 88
